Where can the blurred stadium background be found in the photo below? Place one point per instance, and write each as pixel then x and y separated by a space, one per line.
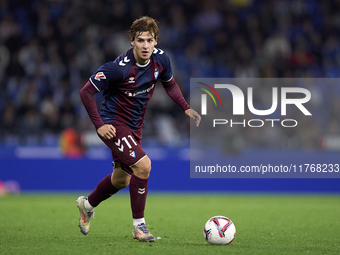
pixel 49 49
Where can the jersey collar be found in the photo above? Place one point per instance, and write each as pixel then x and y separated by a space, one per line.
pixel 139 65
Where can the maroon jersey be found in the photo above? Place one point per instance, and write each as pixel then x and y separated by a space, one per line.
pixel 129 86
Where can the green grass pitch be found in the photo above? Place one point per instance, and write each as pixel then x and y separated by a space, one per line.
pixel 265 224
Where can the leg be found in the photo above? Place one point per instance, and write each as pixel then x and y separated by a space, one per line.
pixel 139 187
pixel 119 178
pixel 126 149
pixel 108 186
pixel 142 168
pixel 138 193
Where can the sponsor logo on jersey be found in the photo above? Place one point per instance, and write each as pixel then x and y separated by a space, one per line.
pixel 130 94
pixel 100 76
pixel 131 80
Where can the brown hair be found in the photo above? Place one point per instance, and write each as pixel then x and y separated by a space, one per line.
pixel 144 24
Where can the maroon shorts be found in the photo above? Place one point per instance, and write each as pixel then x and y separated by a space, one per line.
pixel 125 147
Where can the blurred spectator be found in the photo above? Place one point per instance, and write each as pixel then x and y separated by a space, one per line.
pixel 8 124
pixel 276 46
pixel 4 60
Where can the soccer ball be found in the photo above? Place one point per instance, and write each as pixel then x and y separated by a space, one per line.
pixel 219 230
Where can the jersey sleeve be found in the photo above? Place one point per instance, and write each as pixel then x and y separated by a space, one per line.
pixel 166 75
pixel 174 92
pixel 108 73
pixel 87 96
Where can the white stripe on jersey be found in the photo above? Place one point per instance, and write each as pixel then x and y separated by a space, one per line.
pixel 168 80
pixel 94 85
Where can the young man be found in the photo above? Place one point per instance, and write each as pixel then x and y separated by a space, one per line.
pixel 128 84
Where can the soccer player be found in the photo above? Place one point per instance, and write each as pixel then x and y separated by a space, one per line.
pixel 128 83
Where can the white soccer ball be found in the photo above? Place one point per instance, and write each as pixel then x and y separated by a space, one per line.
pixel 219 230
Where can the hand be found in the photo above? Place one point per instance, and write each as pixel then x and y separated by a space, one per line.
pixel 194 115
pixel 107 131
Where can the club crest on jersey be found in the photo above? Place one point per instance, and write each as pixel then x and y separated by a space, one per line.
pixel 132 154
pixel 156 73
pixel 99 76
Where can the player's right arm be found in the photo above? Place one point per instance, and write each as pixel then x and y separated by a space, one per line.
pixel 107 75
pixel 106 131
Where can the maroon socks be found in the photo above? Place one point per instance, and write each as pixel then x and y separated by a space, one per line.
pixel 138 191
pixel 103 191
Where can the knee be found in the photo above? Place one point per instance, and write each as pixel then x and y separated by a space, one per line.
pixel 142 168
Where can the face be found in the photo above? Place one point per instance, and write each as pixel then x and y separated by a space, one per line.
pixel 143 46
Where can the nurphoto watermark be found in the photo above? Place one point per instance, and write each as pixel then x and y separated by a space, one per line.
pixel 262 128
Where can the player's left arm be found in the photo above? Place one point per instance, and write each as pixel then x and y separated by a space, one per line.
pixel 172 89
